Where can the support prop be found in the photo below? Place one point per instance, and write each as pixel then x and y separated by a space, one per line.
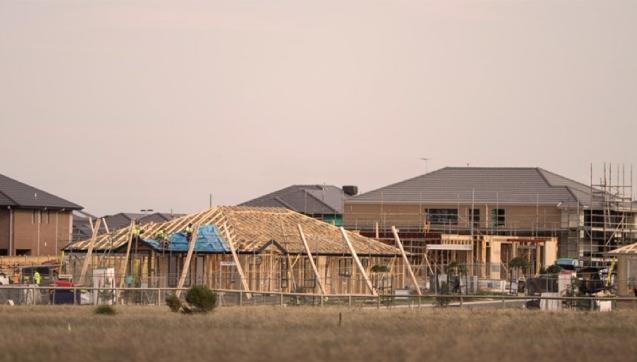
pixel 186 267
pixel 235 257
pixel 311 258
pixel 89 252
pixel 406 260
pixel 358 262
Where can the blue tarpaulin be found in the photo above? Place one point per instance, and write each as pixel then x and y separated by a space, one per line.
pixel 208 241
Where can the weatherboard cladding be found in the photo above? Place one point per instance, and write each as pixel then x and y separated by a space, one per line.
pixel 252 229
pixel 17 194
pixel 450 185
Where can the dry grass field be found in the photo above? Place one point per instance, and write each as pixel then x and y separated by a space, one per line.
pixel 57 333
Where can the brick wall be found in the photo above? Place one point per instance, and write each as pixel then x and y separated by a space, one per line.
pixel 41 232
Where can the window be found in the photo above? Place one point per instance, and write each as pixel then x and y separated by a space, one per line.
pixel 199 270
pixel 474 216
pixel 22 252
pixel 173 266
pixel 345 267
pixel 442 216
pixel 309 279
pixel 33 217
pixel 188 279
pixel 4 252
pixel 284 273
pixel 498 217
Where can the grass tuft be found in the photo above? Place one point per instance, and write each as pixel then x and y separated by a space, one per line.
pixel 105 309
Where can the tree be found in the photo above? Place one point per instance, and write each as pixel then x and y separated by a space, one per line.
pixel 458 270
pixel 516 264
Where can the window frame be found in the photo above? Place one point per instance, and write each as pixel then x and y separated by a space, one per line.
pixel 345 267
pixel 442 216
pixel 498 217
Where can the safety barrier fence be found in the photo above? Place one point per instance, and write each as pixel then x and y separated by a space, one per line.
pixel 35 295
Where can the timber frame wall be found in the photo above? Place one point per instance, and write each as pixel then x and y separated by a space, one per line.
pixel 267 271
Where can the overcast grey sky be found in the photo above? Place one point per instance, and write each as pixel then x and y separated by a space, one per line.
pixel 123 105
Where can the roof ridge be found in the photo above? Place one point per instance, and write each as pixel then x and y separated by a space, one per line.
pixel 7 196
pixel 399 182
pixel 268 195
pixel 541 170
pixel 492 167
pixel 321 201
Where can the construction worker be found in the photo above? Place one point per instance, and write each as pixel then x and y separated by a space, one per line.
pixel 37 278
pixel 137 232
pixel 188 231
pixel 161 236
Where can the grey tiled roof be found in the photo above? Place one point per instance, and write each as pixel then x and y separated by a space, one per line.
pixel 504 185
pixel 17 194
pixel 123 219
pixel 307 199
pixel 82 229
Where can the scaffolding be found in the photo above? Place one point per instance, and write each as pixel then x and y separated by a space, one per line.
pixel 609 220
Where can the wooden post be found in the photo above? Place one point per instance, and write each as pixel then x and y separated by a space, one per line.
pixel 406 260
pixel 358 262
pixel 89 252
pixel 235 257
pixel 309 255
pixel 130 236
pixel 184 270
pixel 538 257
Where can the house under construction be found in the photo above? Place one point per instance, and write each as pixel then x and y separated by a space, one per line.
pixel 244 248
pixel 483 217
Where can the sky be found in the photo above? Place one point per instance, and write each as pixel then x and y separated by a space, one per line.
pixel 129 105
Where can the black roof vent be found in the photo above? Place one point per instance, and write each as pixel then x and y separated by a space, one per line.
pixel 350 190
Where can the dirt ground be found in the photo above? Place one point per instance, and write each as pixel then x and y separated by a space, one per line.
pixel 59 333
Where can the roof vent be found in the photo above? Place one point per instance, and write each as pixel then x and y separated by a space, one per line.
pixel 350 190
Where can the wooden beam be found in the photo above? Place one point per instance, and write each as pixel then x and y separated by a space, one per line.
pixel 124 267
pixel 406 260
pixel 358 262
pixel 309 255
pixel 89 252
pixel 186 267
pixel 237 263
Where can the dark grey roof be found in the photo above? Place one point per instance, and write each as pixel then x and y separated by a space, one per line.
pixel 17 194
pixel 306 199
pixel 504 185
pixel 123 219
pixel 81 225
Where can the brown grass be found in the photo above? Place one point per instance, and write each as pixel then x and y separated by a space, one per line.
pixel 312 334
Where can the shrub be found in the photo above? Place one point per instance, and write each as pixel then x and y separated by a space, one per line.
pixel 380 269
pixel 105 309
pixel 519 263
pixel 201 299
pixel 553 269
pixel 443 301
pixel 173 302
